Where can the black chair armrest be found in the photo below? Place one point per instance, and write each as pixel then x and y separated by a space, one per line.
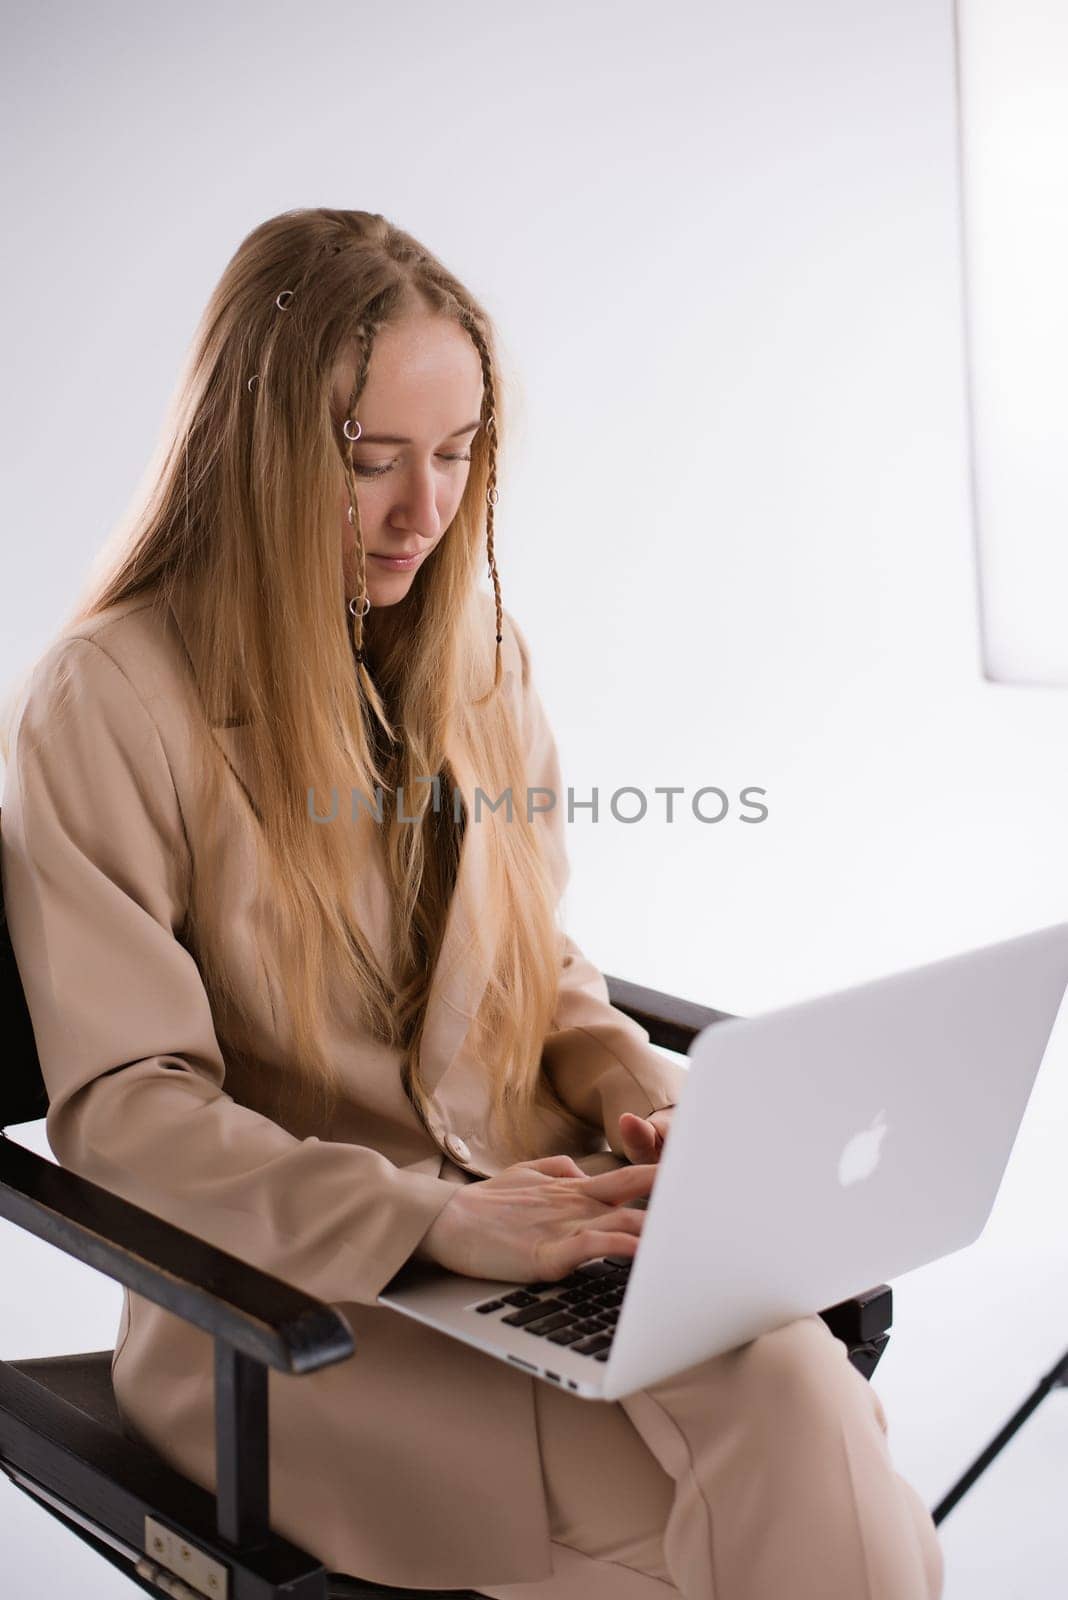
pixel 863 1317
pixel 252 1312
pixel 670 1022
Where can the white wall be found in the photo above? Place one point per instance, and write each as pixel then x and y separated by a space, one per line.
pixel 720 243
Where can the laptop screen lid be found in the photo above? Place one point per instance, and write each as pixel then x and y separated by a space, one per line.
pixel 822 1148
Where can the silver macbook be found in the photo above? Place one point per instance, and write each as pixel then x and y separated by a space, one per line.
pixel 815 1152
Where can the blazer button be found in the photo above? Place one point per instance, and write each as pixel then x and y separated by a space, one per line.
pixel 456 1147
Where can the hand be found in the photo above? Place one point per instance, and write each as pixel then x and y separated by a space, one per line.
pixel 537 1220
pixel 643 1137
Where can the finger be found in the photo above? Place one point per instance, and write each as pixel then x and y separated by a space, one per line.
pixel 627 1219
pixel 621 1183
pixel 639 1144
pixel 588 1245
pixel 634 1123
pixel 561 1254
pixel 640 1138
pixel 555 1166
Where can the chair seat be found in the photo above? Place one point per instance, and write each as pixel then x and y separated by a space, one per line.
pixel 83 1381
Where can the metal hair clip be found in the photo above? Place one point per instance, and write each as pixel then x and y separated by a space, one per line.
pixel 357 425
pixel 286 295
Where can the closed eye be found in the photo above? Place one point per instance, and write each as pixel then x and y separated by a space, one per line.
pixel 379 471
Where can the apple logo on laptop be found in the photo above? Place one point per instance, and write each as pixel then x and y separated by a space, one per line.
pixel 862 1152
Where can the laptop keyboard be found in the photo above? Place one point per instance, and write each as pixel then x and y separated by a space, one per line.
pixel 579 1311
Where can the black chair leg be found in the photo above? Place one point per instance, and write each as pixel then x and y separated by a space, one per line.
pixel 865 1357
pixel 1056 1377
pixel 242 1493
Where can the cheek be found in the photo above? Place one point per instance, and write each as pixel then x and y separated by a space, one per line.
pixel 367 507
pixel 455 493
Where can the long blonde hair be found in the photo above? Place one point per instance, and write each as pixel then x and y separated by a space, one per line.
pixel 237 531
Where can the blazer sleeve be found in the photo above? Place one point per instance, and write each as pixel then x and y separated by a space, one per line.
pixel 599 1060
pixel 95 868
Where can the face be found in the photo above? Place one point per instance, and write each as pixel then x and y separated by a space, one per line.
pixel 419 412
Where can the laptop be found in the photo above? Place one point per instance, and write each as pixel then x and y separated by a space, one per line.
pixel 815 1151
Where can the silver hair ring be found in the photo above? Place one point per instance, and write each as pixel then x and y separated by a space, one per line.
pixel 286 295
pixel 492 497
pixel 352 519
pixel 351 421
pixel 255 378
pixel 366 606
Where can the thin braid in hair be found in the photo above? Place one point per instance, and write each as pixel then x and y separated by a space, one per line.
pixel 366 332
pixel 489 414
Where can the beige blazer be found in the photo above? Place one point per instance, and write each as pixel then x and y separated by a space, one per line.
pixel 416 1461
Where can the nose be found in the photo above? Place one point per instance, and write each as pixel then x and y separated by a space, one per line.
pixel 417 504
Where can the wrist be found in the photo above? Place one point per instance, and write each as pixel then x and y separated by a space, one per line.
pixel 426 1249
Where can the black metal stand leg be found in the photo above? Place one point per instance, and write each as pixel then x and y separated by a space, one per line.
pixel 1056 1375
pixel 241 1464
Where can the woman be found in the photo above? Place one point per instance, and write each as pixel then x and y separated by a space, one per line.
pixel 277 1011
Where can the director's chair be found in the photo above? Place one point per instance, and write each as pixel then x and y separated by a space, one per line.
pixel 61 1437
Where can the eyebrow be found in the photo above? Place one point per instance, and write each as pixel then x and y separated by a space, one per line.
pixel 393 438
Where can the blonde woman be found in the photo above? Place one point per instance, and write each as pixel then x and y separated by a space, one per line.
pixel 302 1030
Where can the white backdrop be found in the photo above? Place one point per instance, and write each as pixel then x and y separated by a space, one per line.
pixel 721 247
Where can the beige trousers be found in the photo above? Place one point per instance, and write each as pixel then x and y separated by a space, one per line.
pixel 762 1474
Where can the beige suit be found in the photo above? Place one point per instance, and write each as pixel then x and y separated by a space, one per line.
pixel 419 1461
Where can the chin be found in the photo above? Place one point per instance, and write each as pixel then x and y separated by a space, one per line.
pixel 388 591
